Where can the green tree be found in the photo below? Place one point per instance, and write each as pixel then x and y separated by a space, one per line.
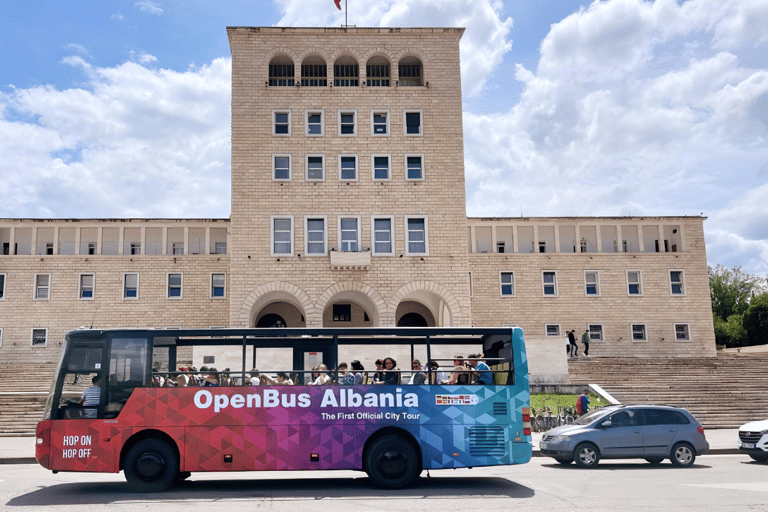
pixel 731 332
pixel 731 290
pixel 756 321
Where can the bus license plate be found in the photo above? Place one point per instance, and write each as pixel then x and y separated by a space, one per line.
pixel 747 445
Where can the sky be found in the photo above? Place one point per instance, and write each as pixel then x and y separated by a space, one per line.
pixel 571 108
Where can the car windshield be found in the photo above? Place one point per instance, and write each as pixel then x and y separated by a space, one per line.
pixel 593 415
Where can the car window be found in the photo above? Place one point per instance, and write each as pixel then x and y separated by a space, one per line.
pixel 591 416
pixel 625 418
pixel 663 417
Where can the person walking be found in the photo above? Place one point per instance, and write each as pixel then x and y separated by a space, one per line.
pixel 572 342
pixel 568 348
pixel 585 341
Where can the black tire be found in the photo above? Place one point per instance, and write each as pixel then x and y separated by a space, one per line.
pixel 682 455
pixel 564 462
pixel 392 462
pixel 151 466
pixel 654 462
pixel 586 455
pixel 759 457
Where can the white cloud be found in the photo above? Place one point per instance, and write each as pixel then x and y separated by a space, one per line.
pixel 79 48
pixel 148 7
pixel 117 16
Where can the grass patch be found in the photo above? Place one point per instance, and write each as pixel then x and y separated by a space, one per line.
pixel 553 401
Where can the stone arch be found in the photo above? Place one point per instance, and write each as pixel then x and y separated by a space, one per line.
pixel 271 292
pixel 434 296
pixel 405 53
pixel 359 292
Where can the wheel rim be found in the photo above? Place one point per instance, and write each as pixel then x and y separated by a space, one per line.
pixel 392 463
pixel 587 456
pixel 683 455
pixel 149 466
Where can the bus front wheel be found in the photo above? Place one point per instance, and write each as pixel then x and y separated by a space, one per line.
pixel 151 466
pixel 392 462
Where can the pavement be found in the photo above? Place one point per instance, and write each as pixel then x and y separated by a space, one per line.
pixel 21 450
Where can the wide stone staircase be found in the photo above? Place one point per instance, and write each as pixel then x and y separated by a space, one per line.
pixel 23 391
pixel 725 391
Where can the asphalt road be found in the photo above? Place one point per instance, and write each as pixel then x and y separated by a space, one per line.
pixel 716 483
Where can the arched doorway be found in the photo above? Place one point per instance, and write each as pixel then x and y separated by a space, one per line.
pixel 278 310
pixel 271 320
pixel 411 313
pixel 412 320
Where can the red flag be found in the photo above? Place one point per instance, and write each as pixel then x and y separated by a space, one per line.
pixel 338 3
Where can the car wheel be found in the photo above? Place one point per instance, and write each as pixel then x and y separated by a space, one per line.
pixel 392 462
pixel 654 462
pixel 759 457
pixel 564 462
pixel 586 455
pixel 151 466
pixel 683 455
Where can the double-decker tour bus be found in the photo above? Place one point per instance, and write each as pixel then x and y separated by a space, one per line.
pixel 130 399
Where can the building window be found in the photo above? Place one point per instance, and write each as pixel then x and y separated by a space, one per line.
pixel 507 280
pixel 174 286
pixel 314 72
pixel 281 167
pixel 553 329
pixel 92 248
pixel 282 236
pixel 634 282
pixel 39 337
pixel 135 248
pixel 409 72
pixel 42 286
pixel 348 167
pixel 549 282
pixel 639 333
pixel 349 234
pixel 412 123
pixel 281 73
pixel 377 72
pixel 382 236
pixel 281 123
pixel 315 236
pixel 342 312
pixel 178 248
pixel 130 286
pixel 595 332
pixel 346 74
pixel 682 332
pixel 314 124
pixel 220 248
pixel 2 286
pixel 592 283
pixel 676 282
pixel 414 167
pixel 218 286
pixel 1 337
pixel 315 167
pixel 380 123
pixel 347 123
pixel 86 286
pixel 381 170
pixel 416 233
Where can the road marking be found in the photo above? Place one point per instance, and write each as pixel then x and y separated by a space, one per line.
pixel 745 486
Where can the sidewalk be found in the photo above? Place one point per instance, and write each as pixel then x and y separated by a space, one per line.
pixel 21 450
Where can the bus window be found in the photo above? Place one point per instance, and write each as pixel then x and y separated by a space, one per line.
pixel 75 385
pixel 127 363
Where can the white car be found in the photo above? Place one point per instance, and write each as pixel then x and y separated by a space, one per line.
pixel 753 440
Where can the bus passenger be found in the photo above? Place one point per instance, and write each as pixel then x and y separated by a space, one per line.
pixel 418 377
pixel 345 378
pixel 320 374
pixel 461 372
pixel 255 377
pixel 482 372
pixel 359 371
pixel 391 373
pixel 91 396
pixel 212 379
pixel 182 381
pixel 378 377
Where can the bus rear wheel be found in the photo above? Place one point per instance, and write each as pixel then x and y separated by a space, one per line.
pixel 392 462
pixel 151 466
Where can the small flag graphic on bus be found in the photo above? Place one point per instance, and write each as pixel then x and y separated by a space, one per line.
pixel 456 400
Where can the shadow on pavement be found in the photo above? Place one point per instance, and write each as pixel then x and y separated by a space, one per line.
pixel 614 466
pixel 315 488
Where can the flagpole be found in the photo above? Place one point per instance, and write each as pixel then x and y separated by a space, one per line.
pixel 346 14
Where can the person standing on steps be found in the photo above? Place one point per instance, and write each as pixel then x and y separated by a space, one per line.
pixel 585 341
pixel 572 342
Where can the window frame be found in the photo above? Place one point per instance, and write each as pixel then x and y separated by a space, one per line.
pixel 639 284
pixel 405 122
pixel 223 287
pixel 306 166
pixel 511 284
pixel 391 219
pixel 544 284
pixel 357 167
pixel 341 305
pixel 275 156
pixel 387 123
pixel 168 286
pixel 308 113
pixel 355 123
pixel 546 330
pixel 272 220
pixel 32 337
pixel 423 166
pixel 681 283
pixel 3 286
pixel 274 122
pixel 37 287
pixel 687 331
pixel 406 231
pixel 388 156
pixel 81 287
pixel 596 284
pixel 339 240
pixel 307 218
pixel 602 332
pixel 632 332
pixel 125 286
pixel 1 337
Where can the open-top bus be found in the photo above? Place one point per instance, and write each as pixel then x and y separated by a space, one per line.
pixel 159 435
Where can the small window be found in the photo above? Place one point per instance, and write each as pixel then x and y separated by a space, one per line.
pixel 416 236
pixel 2 286
pixel 409 72
pixel 178 248
pixel 382 236
pixel 553 330
pixel 348 167
pixel 414 167
pixel 314 72
pixel 281 167
pixel 220 248
pixel 314 123
pixel 507 284
pixel 676 282
pixel 634 282
pixel 315 167
pixel 682 332
pixel 130 286
pixel 377 72
pixel 381 170
pixel 39 337
pixel 380 123
pixel 86 286
pixel 315 236
pixel 549 282
pixel 281 123
pixel 412 123
pixel 282 236
pixel 595 332
pixel 639 332
pixel 281 73
pixel 349 234
pixel 92 246
pixel 42 286
pixel 346 72
pixel 218 286
pixel 342 312
pixel 174 286
pixel 135 248
pixel 591 283
pixel 347 123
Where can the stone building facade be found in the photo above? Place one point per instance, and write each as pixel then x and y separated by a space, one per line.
pixel 348 209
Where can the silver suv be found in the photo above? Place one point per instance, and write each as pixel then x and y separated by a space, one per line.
pixel 650 432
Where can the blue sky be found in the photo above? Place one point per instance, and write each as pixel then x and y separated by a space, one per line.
pixel 617 107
